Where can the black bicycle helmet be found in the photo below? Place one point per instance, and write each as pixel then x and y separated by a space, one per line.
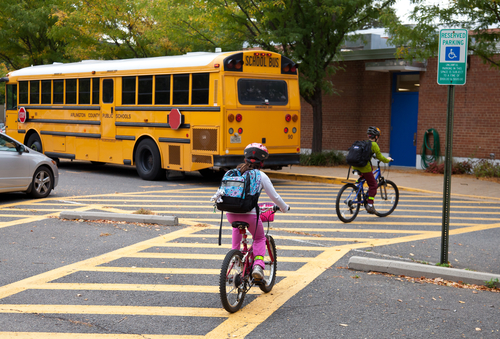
pixel 256 153
pixel 373 131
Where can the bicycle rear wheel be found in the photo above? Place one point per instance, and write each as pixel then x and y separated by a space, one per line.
pixel 231 274
pixel 271 266
pixel 345 205
pixel 388 198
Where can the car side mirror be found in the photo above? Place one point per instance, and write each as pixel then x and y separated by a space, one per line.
pixel 21 148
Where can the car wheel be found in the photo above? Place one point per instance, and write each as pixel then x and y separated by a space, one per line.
pixel 35 143
pixel 42 184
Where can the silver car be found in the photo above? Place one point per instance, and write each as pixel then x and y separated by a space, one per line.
pixel 25 170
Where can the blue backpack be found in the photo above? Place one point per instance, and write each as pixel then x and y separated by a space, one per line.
pixel 238 193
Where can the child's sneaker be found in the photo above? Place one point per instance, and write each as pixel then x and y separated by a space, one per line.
pixel 258 272
pixel 370 209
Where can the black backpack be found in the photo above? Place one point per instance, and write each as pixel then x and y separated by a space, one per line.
pixel 359 153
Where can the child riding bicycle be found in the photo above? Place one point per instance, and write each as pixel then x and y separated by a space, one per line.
pixel 255 154
pixel 366 171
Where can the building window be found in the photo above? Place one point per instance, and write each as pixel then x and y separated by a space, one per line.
pixel 200 89
pixel 408 82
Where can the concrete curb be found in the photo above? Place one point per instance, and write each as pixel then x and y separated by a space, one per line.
pixel 342 181
pixel 140 218
pixel 421 270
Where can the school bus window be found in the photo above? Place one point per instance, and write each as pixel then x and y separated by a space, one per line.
pixel 23 92
pixel 95 91
pixel 145 92
pixel 199 94
pixel 262 92
pixel 58 92
pixel 128 91
pixel 162 90
pixel 46 91
pixel 181 89
pixel 34 92
pixel 71 91
pixel 11 97
pixel 84 91
pixel 107 91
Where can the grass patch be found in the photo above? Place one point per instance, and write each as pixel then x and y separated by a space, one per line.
pixel 144 211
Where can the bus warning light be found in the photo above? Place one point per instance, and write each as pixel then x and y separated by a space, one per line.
pixel 295 118
pixel 230 117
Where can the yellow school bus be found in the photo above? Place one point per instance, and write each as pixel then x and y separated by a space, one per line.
pixel 192 112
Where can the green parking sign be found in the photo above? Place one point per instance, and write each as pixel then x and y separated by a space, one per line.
pixel 452 58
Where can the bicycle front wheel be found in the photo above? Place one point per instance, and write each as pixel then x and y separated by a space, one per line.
pixel 231 274
pixel 271 266
pixel 345 205
pixel 388 198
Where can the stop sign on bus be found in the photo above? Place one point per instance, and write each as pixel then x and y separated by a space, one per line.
pixel 175 119
pixel 22 115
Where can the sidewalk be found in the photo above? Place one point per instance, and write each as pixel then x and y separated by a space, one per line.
pixel 405 178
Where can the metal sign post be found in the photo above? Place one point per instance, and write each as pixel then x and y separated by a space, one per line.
pixel 452 70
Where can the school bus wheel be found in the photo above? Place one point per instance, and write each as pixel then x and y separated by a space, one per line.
pixel 148 161
pixel 35 143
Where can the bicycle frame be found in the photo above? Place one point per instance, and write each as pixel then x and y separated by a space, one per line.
pixel 248 255
pixel 360 191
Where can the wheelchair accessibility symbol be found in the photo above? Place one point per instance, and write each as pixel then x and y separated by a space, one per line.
pixel 452 54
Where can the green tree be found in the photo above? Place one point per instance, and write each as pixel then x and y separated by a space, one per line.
pixel 24 33
pixel 309 32
pixel 420 41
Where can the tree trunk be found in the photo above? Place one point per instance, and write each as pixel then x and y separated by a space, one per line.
pixel 317 106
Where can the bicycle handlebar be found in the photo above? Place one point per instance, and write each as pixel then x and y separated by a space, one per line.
pixel 276 208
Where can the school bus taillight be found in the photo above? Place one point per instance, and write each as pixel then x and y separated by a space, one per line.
pixel 295 118
pixel 288 118
pixel 239 117
pixel 230 117
pixel 240 130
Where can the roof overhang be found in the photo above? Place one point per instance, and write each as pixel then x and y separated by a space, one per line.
pixel 396 66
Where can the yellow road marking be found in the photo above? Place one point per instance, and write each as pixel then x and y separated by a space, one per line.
pixel 201 256
pixel 56 335
pixel 105 309
pixel 166 270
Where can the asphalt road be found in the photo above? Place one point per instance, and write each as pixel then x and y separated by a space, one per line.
pixel 78 279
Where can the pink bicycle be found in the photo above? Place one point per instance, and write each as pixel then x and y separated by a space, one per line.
pixel 236 272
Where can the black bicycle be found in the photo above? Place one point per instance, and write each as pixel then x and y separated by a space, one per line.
pixel 352 196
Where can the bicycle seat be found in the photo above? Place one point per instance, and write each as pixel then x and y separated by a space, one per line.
pixel 239 224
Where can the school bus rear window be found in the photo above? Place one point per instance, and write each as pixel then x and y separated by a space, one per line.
pixel 262 92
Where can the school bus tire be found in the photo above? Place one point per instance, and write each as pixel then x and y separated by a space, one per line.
pixel 35 143
pixel 148 161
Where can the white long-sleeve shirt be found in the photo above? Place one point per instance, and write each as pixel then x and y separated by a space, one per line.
pixel 267 185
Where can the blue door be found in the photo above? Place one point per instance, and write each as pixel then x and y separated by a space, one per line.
pixel 404 118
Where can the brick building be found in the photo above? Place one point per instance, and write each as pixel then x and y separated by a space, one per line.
pixel 405 101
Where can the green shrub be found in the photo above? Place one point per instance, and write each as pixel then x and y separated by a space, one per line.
pixel 330 158
pixel 463 167
pixel 486 168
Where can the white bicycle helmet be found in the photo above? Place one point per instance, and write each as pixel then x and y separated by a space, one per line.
pixel 256 153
